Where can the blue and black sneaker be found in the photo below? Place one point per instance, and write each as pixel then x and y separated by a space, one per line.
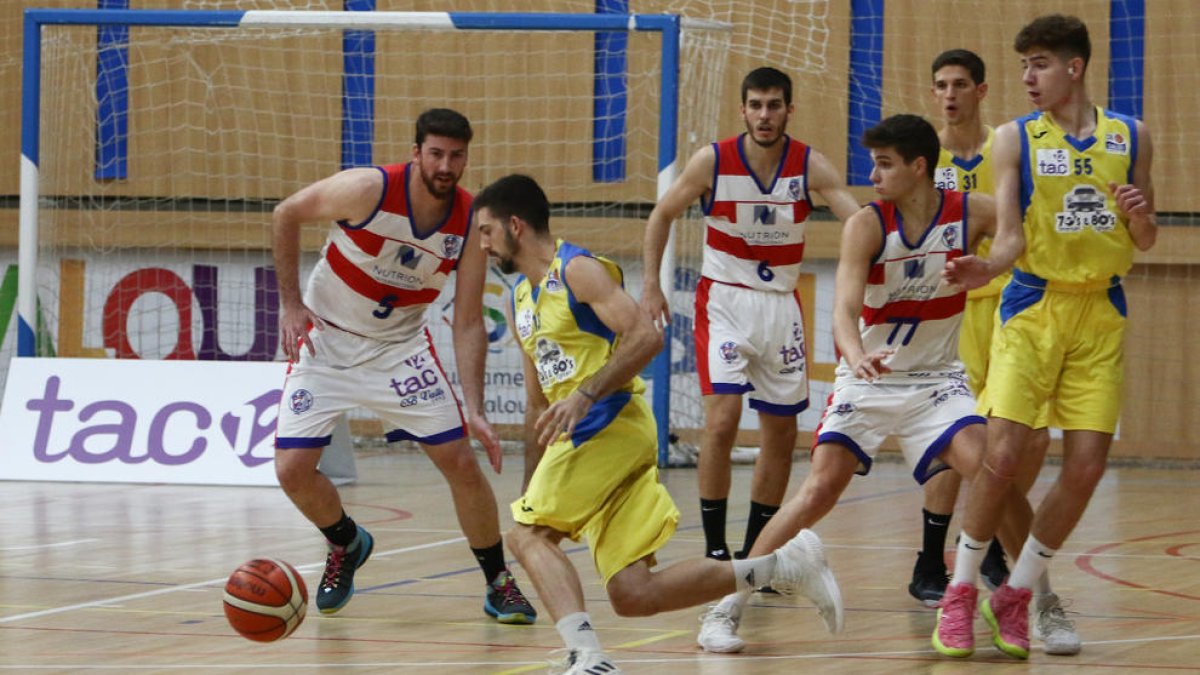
pixel 505 602
pixel 337 584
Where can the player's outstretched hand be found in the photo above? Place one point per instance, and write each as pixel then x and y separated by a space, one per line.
pixel 872 365
pixel 967 272
pixel 294 325
pixel 482 431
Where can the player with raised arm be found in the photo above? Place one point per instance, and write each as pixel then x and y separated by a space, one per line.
pixel 358 337
pixel 896 327
pixel 591 441
pixel 1074 200
pixel 755 190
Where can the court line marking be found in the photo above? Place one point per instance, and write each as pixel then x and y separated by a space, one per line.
pixel 740 659
pixel 60 544
pixel 665 635
pixel 198 584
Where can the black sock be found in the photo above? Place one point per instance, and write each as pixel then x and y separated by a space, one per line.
pixel 934 539
pixel 712 516
pixel 341 533
pixel 491 560
pixel 759 515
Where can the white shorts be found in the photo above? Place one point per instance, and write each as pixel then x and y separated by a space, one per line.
pixel 401 382
pixel 923 417
pixel 751 341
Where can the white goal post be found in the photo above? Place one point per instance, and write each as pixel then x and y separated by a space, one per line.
pixel 116 204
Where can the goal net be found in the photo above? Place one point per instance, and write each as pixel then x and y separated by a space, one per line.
pixel 166 138
pixel 221 123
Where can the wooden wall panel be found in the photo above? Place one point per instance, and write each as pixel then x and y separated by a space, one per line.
pixel 10 107
pixel 917 31
pixel 1173 66
pixel 1172 101
pixel 1161 399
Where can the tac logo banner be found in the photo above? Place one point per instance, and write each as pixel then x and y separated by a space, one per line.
pixel 133 421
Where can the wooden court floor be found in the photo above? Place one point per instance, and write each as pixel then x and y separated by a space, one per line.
pixel 128 578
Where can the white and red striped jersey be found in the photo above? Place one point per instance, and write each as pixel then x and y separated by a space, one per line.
pixel 754 233
pixel 376 278
pixel 906 305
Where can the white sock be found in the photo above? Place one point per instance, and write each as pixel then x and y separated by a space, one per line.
pixel 1031 564
pixel 967 559
pixel 577 633
pixel 753 573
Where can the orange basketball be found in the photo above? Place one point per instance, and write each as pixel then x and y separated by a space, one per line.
pixel 265 600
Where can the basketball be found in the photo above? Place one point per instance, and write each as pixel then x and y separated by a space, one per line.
pixel 265 600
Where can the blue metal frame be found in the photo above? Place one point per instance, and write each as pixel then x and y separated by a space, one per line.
pixel 668 121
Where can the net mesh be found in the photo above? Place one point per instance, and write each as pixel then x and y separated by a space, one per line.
pixel 251 134
pixel 155 243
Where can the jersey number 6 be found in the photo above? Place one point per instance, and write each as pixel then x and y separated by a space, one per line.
pixel 764 271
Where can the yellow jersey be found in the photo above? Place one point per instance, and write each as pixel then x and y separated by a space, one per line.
pixel 972 175
pixel 1074 232
pixel 967 175
pixel 563 337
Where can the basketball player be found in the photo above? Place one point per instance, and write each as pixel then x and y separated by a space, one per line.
pixel 593 441
pixel 755 190
pixel 965 164
pixel 358 338
pixel 1075 199
pixel 896 326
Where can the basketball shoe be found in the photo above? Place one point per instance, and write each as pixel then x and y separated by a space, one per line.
pixel 1007 612
pixel 586 662
pixel 718 628
pixel 505 602
pixel 955 632
pixel 337 584
pixel 929 580
pixel 800 567
pixel 1052 626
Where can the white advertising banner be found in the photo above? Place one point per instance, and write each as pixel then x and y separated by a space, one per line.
pixel 134 421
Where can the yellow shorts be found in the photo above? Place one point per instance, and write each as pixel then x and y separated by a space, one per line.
pixel 975 346
pixel 605 489
pixel 975 339
pixel 1058 343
